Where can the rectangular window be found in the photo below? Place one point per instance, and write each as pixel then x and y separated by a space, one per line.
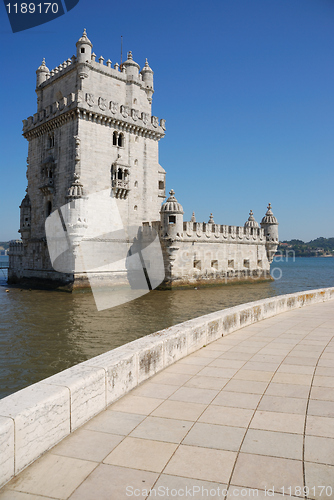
pixel 259 263
pixel 246 263
pixel 214 264
pixel 172 219
pixel 231 264
pixel 197 264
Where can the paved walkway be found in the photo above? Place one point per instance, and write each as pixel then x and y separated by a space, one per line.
pixel 250 412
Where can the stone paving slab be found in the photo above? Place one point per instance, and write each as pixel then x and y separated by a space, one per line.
pixel 250 415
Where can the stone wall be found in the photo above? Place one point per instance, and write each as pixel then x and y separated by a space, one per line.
pixel 38 417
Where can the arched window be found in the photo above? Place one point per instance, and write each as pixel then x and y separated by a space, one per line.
pixel 120 174
pixel 48 208
pixel 114 139
pixel 121 140
pixel 51 141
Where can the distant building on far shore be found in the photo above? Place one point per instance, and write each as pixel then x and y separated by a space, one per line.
pixel 94 130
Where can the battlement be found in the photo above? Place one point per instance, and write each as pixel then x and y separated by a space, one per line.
pixel 202 231
pixel 99 109
pixel 107 69
pixel 58 71
pixel 15 248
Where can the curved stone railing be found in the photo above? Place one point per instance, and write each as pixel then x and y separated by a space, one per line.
pixel 38 417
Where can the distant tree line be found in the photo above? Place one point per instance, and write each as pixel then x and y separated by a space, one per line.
pixel 314 248
pixel 4 245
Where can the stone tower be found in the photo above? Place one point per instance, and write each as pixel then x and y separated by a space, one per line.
pixel 93 130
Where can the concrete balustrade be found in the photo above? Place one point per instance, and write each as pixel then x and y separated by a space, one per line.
pixel 36 418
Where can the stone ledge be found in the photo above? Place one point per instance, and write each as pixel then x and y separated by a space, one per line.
pixel 36 418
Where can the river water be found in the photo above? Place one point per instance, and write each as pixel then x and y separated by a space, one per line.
pixel 44 332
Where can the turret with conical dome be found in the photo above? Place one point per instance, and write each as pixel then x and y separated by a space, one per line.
pixel 171 217
pixel 132 68
pixel 270 225
pixel 84 48
pixel 42 73
pixel 147 75
pixel 25 219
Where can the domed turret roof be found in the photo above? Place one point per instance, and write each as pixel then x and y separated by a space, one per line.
pixel 84 39
pixel 146 68
pixel 171 205
pixel 76 189
pixel 130 61
pixel 26 201
pixel 43 68
pixel 269 218
pixel 251 222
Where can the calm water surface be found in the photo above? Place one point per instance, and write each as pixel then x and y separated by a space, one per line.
pixel 44 332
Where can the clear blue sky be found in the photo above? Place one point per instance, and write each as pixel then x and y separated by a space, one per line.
pixel 246 87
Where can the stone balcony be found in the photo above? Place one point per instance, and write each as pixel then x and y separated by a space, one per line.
pixel 120 188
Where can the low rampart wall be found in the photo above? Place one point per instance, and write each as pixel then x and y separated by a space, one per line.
pixel 36 418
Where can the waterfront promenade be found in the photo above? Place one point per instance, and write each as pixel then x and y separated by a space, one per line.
pixel 252 411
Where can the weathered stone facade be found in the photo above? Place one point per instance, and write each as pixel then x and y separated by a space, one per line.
pixel 94 130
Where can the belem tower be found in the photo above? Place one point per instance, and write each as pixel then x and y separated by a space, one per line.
pixel 94 130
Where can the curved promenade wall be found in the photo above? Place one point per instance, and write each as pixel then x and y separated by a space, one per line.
pixel 36 418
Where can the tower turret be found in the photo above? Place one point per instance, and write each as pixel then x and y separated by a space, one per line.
pixel 41 73
pixel 270 225
pixel 147 75
pixel 84 48
pixel 132 68
pixel 25 219
pixel 251 222
pixel 171 217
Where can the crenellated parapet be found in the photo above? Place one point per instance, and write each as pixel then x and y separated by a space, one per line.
pixel 202 231
pixel 92 107
pixel 16 248
pixel 124 72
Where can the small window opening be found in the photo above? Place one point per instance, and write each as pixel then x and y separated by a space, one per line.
pixel 172 219
pixel 120 175
pixel 259 263
pixel 231 263
pixel 120 140
pixel 197 264
pixel 246 263
pixel 214 264
pixel 114 139
pixel 82 50
pixel 51 141
pixel 161 185
pixel 48 208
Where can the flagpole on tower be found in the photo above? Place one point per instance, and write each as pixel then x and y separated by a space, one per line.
pixel 121 52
